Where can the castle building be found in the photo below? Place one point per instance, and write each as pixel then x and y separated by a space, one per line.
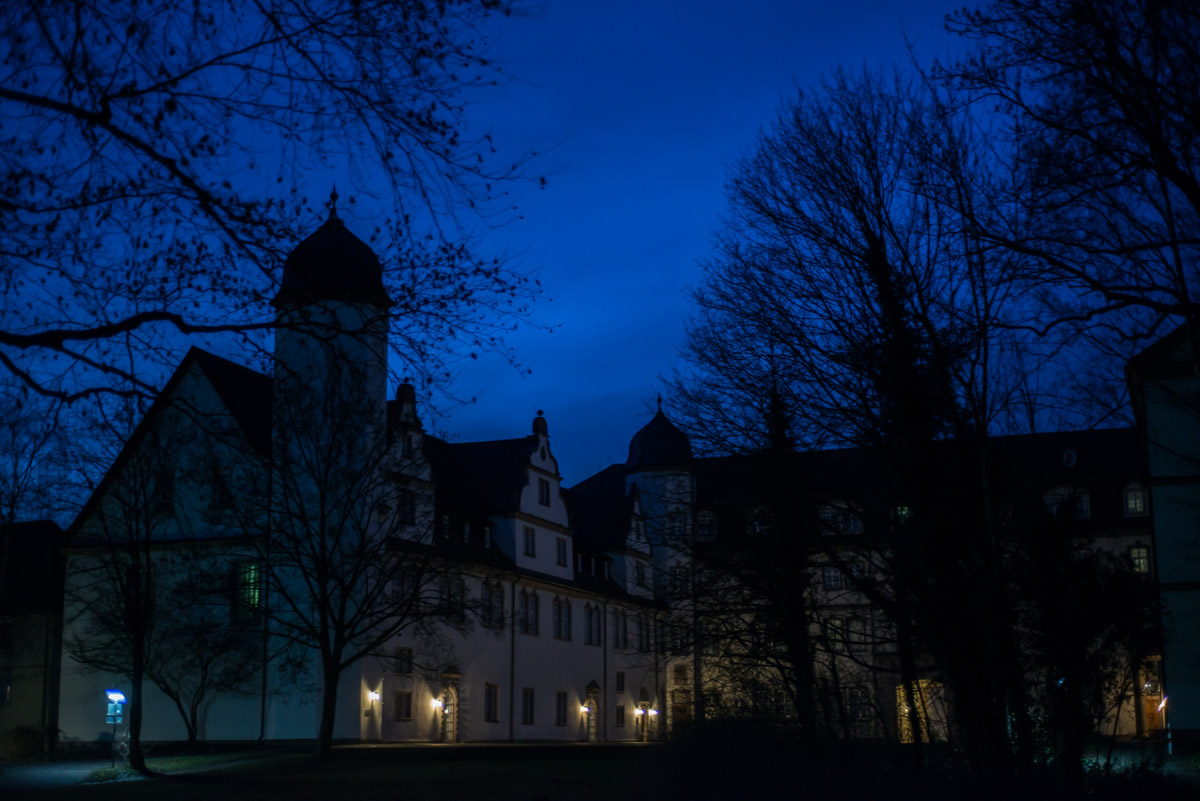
pixel 271 553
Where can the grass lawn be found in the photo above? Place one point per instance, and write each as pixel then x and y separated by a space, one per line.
pixel 568 777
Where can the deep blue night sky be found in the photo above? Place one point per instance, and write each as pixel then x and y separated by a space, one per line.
pixel 650 104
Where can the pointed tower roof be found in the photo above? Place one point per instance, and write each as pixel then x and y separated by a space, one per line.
pixel 332 264
pixel 659 443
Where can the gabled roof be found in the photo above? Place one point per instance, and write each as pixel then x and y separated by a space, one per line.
pixel 32 578
pixel 485 478
pixel 245 393
pixel 600 509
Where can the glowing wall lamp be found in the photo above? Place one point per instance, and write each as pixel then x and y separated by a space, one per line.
pixel 437 703
pixel 653 712
pixel 639 711
pixel 584 709
pixel 374 695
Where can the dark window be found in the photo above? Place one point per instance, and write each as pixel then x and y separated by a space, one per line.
pixel 493 605
pixel 528 617
pixel 220 497
pixel 491 703
pixel 856 631
pixel 680 674
pixel 562 619
pixel 403 708
pixel 640 573
pixel 560 708
pixel 543 492
pixel 859 704
pixel 406 508
pixel 620 681
pixel 530 542
pixel 163 498
pixel 706 526
pixel 560 552
pixel 527 706
pixel 643 634
pixel 402 661
pixel 407 452
pixel 620 721
pixel 593 622
pixel 831 578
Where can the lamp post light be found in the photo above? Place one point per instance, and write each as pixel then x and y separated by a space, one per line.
pixel 114 716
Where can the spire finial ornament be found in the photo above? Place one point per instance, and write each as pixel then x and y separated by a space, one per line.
pixel 333 203
pixel 660 403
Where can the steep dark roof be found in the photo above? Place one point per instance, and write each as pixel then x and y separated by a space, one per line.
pixel 485 478
pixel 332 264
pixel 599 509
pixel 659 444
pixel 32 576
pixel 245 392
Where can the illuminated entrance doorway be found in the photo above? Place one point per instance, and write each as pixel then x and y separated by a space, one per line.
pixel 449 708
pixel 592 712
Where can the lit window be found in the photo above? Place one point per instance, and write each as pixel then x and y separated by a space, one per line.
pixel 1135 501
pixel 543 492
pixel 527 706
pixel 530 542
pixel 1139 555
pixel 560 552
pixel 247 603
pixel 403 706
pixel 491 703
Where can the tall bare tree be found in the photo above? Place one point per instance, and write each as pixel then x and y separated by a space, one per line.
pixel 156 160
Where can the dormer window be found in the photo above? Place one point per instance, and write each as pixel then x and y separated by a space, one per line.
pixel 640 573
pixel 839 518
pixel 1077 502
pixel 543 492
pixel 1135 501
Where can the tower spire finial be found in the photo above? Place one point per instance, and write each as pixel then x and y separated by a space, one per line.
pixel 660 402
pixel 333 203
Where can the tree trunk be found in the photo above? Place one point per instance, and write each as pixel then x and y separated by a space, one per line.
pixel 328 710
pixel 137 757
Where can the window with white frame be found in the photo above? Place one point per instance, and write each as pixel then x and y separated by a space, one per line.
pixel 491 703
pixel 402 705
pixel 593 617
pixel 831 578
pixel 527 706
pixel 528 613
pixel 1139 557
pixel 1135 501
pixel 562 618
pixel 1068 502
pixel 493 605
pixel 560 708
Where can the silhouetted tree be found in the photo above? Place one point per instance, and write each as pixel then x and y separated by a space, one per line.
pixel 1100 100
pixel 156 156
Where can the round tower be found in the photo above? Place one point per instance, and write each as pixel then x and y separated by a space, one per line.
pixel 331 316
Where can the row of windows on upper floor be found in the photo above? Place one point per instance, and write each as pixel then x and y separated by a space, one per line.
pixel 841 517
